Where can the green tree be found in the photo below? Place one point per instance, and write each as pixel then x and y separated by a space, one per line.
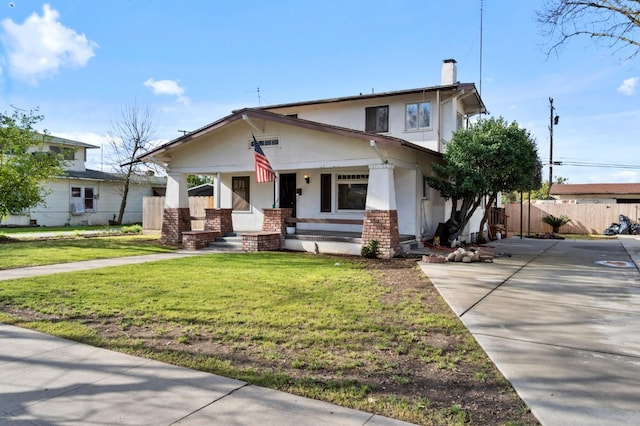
pixel 615 23
pixel 488 157
pixel 25 166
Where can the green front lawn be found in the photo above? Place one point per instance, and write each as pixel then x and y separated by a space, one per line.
pixel 20 254
pixel 372 335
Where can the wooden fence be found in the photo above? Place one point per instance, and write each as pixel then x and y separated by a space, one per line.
pixel 152 208
pixel 585 218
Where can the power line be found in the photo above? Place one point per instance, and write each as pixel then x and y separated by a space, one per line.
pixel 603 165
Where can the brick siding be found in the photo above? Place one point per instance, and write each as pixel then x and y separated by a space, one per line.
pixel 382 226
pixel 175 221
pixel 261 241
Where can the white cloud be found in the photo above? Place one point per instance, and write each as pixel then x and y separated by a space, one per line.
pixel 39 47
pixel 628 86
pixel 167 87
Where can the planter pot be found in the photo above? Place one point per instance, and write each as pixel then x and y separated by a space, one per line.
pixel 291 230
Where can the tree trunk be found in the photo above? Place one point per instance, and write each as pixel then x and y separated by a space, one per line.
pixel 485 218
pixel 125 193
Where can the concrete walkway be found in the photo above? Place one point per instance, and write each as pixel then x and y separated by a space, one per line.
pixel 561 320
pixel 48 380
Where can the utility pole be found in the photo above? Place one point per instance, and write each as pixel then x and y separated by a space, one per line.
pixel 553 120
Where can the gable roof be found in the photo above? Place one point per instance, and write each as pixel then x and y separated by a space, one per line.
pixel 69 142
pixel 596 188
pixel 248 113
pixel 469 88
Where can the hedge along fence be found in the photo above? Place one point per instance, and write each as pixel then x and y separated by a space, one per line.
pixel 153 207
pixel 585 218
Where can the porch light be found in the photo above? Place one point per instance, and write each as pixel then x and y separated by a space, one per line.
pixel 307 178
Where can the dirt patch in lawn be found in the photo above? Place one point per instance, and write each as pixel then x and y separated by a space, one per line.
pixel 456 385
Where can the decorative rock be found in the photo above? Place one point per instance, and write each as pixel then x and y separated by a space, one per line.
pixel 466 259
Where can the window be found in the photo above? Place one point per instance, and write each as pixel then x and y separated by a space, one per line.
pixel 240 197
pixel 325 192
pixel 352 191
pixel 82 199
pixel 267 142
pixel 459 121
pixel 418 116
pixel 426 190
pixel 68 154
pixel 377 119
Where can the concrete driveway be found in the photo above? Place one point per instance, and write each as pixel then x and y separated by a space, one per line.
pixel 561 320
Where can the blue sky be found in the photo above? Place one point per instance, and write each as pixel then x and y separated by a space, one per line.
pixel 80 62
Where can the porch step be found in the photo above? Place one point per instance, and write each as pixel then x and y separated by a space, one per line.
pixel 229 242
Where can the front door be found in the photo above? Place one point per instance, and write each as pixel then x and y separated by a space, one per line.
pixel 288 191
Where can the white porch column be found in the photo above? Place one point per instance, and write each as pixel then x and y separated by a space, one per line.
pixel 216 195
pixel 177 195
pixel 276 189
pixel 381 191
pixel 381 215
pixel 176 216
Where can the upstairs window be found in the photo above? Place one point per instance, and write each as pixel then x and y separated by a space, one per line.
pixel 418 116
pixel 68 154
pixel 377 119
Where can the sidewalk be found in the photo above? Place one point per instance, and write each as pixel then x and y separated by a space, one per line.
pixel 48 380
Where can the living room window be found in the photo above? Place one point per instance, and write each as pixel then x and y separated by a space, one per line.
pixel 352 191
pixel 240 197
pixel 417 116
pixel 377 119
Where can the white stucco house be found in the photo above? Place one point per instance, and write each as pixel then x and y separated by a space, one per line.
pixel 83 196
pixel 353 165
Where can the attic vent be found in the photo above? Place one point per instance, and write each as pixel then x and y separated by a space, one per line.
pixel 353 177
pixel 267 142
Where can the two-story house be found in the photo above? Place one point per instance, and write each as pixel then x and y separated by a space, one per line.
pixel 353 164
pixel 83 196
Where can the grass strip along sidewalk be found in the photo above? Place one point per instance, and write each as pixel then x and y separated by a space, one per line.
pixel 369 334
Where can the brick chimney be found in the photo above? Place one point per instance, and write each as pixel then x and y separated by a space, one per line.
pixel 449 72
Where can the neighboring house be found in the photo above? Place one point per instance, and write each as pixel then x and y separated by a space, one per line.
pixel 83 196
pixel 589 193
pixel 204 190
pixel 352 164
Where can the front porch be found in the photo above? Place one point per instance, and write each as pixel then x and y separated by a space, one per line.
pixel 336 242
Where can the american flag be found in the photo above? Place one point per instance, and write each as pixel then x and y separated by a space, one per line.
pixel 264 172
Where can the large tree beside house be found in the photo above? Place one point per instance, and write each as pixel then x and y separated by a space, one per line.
pixel 25 165
pixel 489 157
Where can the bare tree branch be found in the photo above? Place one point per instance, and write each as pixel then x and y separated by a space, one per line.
pixel 130 137
pixel 615 23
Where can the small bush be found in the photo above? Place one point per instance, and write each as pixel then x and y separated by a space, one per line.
pixel 556 222
pixel 371 250
pixel 133 229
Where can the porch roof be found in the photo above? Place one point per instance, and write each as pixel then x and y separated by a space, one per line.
pixel 260 114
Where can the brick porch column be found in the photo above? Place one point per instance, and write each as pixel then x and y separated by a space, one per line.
pixel 274 220
pixel 218 220
pixel 381 215
pixel 176 217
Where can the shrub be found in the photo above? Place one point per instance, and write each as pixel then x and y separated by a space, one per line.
pixel 133 229
pixel 371 250
pixel 556 222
